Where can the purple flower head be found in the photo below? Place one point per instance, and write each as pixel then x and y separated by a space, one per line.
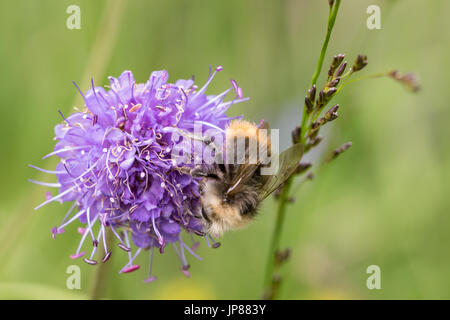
pixel 116 165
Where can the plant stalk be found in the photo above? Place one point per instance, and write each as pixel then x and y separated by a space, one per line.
pixel 271 284
pixel 271 261
pixel 331 20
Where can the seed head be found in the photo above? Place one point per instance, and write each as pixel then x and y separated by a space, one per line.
pixel 360 62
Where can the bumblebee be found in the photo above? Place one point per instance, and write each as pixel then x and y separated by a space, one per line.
pixel 232 191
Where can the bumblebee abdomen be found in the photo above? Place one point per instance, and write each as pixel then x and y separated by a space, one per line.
pixel 246 200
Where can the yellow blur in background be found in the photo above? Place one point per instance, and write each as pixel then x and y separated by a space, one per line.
pixel 384 202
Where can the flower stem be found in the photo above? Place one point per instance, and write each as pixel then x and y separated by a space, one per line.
pixel 331 19
pixel 271 279
pixel 370 76
pixel 271 289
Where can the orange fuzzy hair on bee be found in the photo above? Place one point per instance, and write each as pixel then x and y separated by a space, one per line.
pixel 241 129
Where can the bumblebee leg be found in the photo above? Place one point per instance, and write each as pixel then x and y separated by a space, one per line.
pixel 205 215
pixel 184 170
pixel 198 172
pixel 196 215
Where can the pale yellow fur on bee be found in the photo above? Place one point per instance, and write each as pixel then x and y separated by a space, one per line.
pixel 225 217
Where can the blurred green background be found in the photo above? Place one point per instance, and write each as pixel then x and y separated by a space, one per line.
pixel 384 202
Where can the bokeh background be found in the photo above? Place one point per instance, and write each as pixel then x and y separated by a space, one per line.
pixel 384 202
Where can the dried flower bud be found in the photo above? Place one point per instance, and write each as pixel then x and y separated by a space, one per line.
pixel 331 2
pixel 312 93
pixel 321 99
pixel 409 80
pixel 330 72
pixel 337 60
pixel 312 133
pixel 334 82
pixel 331 91
pixel 282 256
pixel 302 167
pixel 341 69
pixel 340 150
pixel 309 105
pixel 314 141
pixel 315 126
pixel 360 62
pixel 322 121
pixel 310 176
pixel 331 114
pixel 296 135
pixel 278 191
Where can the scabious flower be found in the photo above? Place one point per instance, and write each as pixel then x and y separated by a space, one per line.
pixel 116 165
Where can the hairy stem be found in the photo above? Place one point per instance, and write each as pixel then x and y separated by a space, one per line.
pixel 271 283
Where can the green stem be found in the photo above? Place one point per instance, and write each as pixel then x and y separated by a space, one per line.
pixel 276 240
pixel 331 20
pixel 270 287
pixel 370 76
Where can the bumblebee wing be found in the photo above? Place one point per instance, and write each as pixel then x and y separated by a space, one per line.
pixel 287 162
pixel 244 172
